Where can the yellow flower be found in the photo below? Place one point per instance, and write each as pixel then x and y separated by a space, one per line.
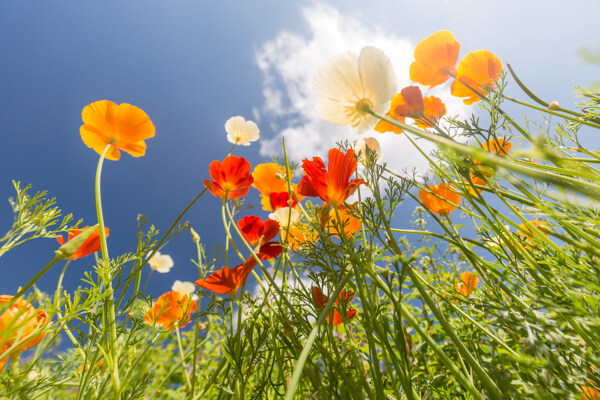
pixel 348 86
pixel 242 132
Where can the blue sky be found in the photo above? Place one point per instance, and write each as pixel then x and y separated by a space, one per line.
pixel 191 65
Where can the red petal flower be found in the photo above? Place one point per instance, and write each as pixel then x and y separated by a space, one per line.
pixel 231 178
pixel 345 297
pixel 280 200
pixel 227 280
pixel 91 245
pixel 255 231
pixel 332 185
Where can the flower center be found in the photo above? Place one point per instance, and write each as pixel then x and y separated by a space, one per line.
pixel 364 106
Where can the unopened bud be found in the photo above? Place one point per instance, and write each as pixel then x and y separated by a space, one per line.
pixel 70 247
pixel 195 236
pixel 553 106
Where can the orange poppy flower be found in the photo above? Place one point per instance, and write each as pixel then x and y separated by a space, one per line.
pixel 91 244
pixel 270 178
pixel 497 146
pixel 171 309
pixel 332 185
pixel 435 58
pixel 440 206
pixel 350 224
pixel 227 280
pixel 528 235
pixel 298 235
pixel 409 103
pixel 231 178
pixel 21 327
pixel 123 125
pixel 478 70
pixel 468 282
pixel 475 180
pixel 589 393
pixel 345 296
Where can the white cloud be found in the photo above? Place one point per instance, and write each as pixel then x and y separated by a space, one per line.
pixel 289 62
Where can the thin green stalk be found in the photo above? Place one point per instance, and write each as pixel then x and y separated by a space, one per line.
pixel 59 284
pixel 185 372
pixel 291 389
pixel 487 382
pixel 109 302
pixel 161 242
pixel 583 187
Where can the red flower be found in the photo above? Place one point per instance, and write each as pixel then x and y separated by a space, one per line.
pixel 280 200
pixel 171 309
pixel 227 280
pixel 259 234
pixel 231 178
pixel 332 185
pixel 345 296
pixel 91 245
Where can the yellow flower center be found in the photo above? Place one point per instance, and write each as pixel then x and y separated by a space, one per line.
pixel 364 106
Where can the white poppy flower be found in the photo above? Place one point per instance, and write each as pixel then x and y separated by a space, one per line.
pixel 184 288
pixel 348 85
pixel 362 147
pixel 286 216
pixel 242 132
pixel 161 262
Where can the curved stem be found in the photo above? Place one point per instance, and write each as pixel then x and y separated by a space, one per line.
pixel 109 302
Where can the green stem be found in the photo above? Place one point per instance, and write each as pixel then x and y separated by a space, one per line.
pixel 583 187
pixel 185 373
pixel 109 302
pixel 291 389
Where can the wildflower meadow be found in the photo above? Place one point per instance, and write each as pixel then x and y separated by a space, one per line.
pixel 492 291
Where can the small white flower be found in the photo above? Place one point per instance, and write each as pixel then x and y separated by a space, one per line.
pixel 184 288
pixel 349 85
pixel 161 262
pixel 362 147
pixel 242 132
pixel 286 216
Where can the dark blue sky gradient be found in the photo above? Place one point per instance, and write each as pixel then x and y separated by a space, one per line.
pixel 190 65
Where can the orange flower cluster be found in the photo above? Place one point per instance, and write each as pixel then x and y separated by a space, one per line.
pixel 435 63
pixel 344 298
pixel 270 181
pixel 91 244
pixel 410 103
pixel 442 200
pixel 171 310
pixel 435 60
pixel 21 327
pixel 468 282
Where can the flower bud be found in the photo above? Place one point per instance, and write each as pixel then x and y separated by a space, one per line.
pixel 553 106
